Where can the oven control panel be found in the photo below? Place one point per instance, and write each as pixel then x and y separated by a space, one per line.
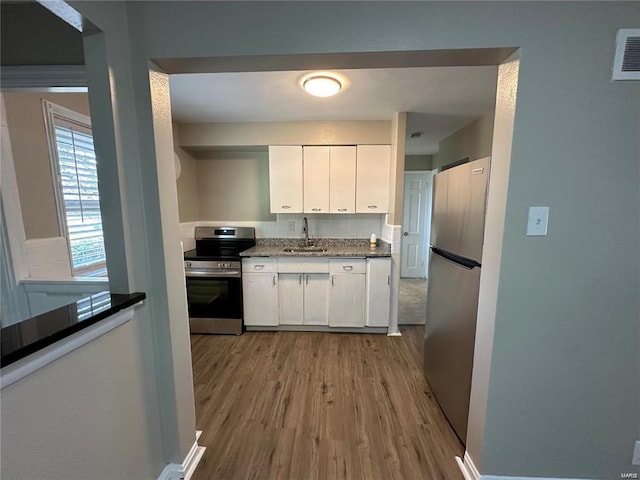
pixel 211 265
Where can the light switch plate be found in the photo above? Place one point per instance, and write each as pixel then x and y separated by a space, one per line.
pixel 636 454
pixel 292 226
pixel 538 221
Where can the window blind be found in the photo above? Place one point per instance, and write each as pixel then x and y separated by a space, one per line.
pixel 79 184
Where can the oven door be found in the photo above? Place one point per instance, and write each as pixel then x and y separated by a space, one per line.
pixel 215 301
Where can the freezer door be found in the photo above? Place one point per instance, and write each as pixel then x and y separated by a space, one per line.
pixel 452 307
pixel 442 230
pixel 473 211
pixel 459 203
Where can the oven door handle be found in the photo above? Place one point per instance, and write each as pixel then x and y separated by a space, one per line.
pixel 209 274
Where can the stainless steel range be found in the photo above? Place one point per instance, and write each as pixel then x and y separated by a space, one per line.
pixel 214 279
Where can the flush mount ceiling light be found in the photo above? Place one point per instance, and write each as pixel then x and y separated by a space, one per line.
pixel 322 85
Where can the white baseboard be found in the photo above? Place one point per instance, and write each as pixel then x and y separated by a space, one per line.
pixel 470 472
pixel 467 467
pixel 193 458
pixel 184 471
pixel 501 477
pixel 172 471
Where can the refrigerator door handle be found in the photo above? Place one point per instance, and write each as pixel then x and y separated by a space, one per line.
pixel 452 257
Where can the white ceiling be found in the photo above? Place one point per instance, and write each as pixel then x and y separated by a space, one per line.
pixel 440 100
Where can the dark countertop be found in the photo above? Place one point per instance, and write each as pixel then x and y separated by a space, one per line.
pixel 335 247
pixel 24 338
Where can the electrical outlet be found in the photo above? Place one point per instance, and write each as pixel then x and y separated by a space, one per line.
pixel 292 226
pixel 636 454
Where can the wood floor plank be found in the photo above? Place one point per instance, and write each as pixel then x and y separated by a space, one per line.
pixel 318 406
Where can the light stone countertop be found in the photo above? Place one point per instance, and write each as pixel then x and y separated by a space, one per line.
pixel 335 247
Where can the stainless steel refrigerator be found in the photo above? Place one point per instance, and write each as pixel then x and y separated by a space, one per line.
pixel 457 230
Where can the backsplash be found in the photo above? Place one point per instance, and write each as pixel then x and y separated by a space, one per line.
pixel 290 226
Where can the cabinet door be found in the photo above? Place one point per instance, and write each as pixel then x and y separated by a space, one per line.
pixel 291 294
pixel 260 293
pixel 378 292
pixel 372 178
pixel 342 180
pixel 346 300
pixel 285 179
pixel 316 179
pixel 316 299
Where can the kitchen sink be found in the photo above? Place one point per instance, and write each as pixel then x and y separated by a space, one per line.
pixel 305 250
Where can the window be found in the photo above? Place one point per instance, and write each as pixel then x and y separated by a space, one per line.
pixel 74 170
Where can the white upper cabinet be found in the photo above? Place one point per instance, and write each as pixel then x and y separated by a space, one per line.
pixel 316 179
pixel 342 180
pixel 329 179
pixel 372 173
pixel 285 178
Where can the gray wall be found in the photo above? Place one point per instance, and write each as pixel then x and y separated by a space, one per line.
pixel 234 186
pixel 32 159
pixel 418 162
pixel 564 384
pixel 472 142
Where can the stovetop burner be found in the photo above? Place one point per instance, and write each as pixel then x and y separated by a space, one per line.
pixel 221 243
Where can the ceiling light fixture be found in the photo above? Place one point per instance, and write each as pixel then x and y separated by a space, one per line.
pixel 322 85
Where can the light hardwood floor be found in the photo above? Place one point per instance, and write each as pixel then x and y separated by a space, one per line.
pixel 302 406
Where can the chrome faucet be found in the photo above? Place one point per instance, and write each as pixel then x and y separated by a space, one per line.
pixel 305 230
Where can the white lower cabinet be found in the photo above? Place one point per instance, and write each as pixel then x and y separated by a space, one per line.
pixel 304 298
pixel 336 292
pixel 260 292
pixel 291 293
pixel 378 292
pixel 347 293
pixel 316 299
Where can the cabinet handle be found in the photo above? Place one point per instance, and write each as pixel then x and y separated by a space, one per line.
pixel 372 206
pixel 388 279
pixel 274 280
pixel 286 206
pixel 342 209
pixel 332 277
pixel 348 268
pixel 306 280
pixel 316 209
pixel 300 281
pixel 258 267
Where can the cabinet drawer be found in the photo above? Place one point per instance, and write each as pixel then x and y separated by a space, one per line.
pixel 260 264
pixel 347 265
pixel 303 265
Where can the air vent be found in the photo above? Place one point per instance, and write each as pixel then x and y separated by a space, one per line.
pixel 626 65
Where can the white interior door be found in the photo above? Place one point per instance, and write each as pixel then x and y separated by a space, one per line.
pixel 417 189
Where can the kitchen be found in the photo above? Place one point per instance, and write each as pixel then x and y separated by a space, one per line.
pixel 341 283
pixel 229 170
pixel 571 339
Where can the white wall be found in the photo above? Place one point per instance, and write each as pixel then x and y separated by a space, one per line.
pixel 80 418
pixel 365 132
pixel 289 225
